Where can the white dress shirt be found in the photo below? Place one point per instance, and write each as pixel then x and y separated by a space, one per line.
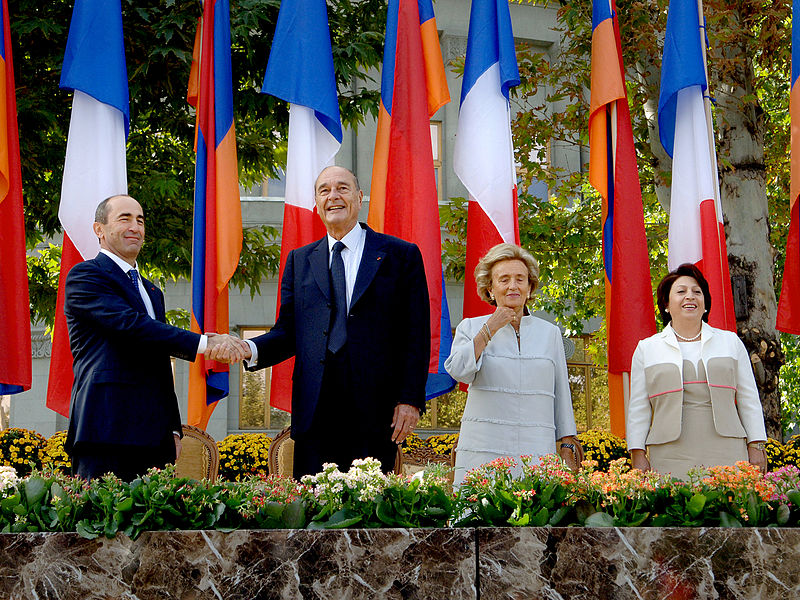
pixel 351 257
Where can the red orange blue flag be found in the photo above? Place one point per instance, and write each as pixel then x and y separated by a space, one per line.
pixel 94 165
pixel 614 174
pixel 300 71
pixel 483 157
pixel 789 305
pixel 217 226
pixel 403 196
pixel 15 317
pixel 696 232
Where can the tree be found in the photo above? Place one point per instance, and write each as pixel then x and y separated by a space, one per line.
pixel 159 36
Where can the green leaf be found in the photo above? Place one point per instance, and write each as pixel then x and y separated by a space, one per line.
pixel 728 520
pixel 35 489
pixel 85 530
pixel 782 514
pixel 384 512
pixel 696 505
pixel 599 519
pixel 558 515
pixel 794 497
pixel 541 518
pixel 124 505
pixel 521 522
pixel 294 515
pixel 274 509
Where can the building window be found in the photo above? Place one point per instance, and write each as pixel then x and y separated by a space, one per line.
pixel 254 409
pixel 436 147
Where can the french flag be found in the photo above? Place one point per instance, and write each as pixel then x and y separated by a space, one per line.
pixel 94 167
pixel 696 231
pixel 789 305
pixel 483 157
pixel 300 71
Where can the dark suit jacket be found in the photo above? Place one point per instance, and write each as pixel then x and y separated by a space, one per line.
pixel 123 392
pixel 388 329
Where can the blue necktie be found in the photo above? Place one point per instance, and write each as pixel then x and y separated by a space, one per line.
pixel 338 335
pixel 134 275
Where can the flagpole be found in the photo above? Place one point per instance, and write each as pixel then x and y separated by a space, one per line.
pixel 701 27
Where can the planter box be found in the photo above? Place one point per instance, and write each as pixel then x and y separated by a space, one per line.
pixel 571 563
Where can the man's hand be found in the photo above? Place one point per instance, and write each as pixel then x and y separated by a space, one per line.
pixel 226 348
pixel 572 452
pixel 404 420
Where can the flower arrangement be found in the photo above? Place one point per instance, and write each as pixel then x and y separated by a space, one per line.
pixel 243 454
pixel 366 497
pixel 791 451
pixel 533 493
pixel 53 454
pixel 603 447
pixel 441 444
pixel 21 449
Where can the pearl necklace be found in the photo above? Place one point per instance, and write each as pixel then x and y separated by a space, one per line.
pixel 683 339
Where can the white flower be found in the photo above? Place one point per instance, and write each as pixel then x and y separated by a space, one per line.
pixel 8 477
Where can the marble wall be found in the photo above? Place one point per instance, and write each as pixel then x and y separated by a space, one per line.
pixel 508 563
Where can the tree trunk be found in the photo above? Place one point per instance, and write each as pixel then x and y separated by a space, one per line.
pixel 744 203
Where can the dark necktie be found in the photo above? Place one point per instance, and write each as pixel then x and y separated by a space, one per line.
pixel 134 275
pixel 338 334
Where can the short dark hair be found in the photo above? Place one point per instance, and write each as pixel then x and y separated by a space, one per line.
pixel 665 287
pixel 101 212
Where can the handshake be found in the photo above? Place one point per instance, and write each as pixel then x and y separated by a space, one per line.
pixel 226 348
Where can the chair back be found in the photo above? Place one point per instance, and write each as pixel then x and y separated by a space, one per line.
pixel 280 456
pixel 199 457
pixel 414 461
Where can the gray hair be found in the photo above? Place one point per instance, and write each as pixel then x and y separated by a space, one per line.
pixel 501 252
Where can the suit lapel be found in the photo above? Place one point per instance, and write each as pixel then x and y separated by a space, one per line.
pixel 370 262
pixel 128 291
pixel 318 260
pixel 156 299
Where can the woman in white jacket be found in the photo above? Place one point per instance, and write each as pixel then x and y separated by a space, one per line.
pixel 693 400
pixel 519 401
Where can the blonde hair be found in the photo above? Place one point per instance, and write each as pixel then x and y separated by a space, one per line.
pixel 501 252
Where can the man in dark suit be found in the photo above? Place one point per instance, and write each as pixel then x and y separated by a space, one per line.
pixel 361 362
pixel 124 415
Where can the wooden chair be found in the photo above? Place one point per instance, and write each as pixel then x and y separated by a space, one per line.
pixel 414 461
pixel 280 457
pixel 199 457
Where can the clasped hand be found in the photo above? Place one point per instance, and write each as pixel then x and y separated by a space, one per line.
pixel 226 348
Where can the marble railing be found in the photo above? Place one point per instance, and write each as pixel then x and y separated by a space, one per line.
pixel 569 563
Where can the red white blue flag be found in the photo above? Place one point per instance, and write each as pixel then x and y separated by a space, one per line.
pixel 614 174
pixel 789 305
pixel 483 157
pixel 403 196
pixel 15 316
pixel 94 166
pixel 300 71
pixel 696 231
pixel 217 228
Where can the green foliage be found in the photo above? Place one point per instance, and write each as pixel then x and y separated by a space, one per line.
pixel 159 37
pixel 789 383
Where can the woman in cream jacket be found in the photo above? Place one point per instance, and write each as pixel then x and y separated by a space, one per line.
pixel 693 400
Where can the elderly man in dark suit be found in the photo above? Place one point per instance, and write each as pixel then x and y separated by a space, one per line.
pixel 354 313
pixel 124 415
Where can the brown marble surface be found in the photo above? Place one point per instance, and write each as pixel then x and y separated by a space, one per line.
pixel 513 563
pixel 353 564
pixel 639 563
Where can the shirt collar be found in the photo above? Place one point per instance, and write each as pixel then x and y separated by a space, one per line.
pixel 125 266
pixel 351 240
